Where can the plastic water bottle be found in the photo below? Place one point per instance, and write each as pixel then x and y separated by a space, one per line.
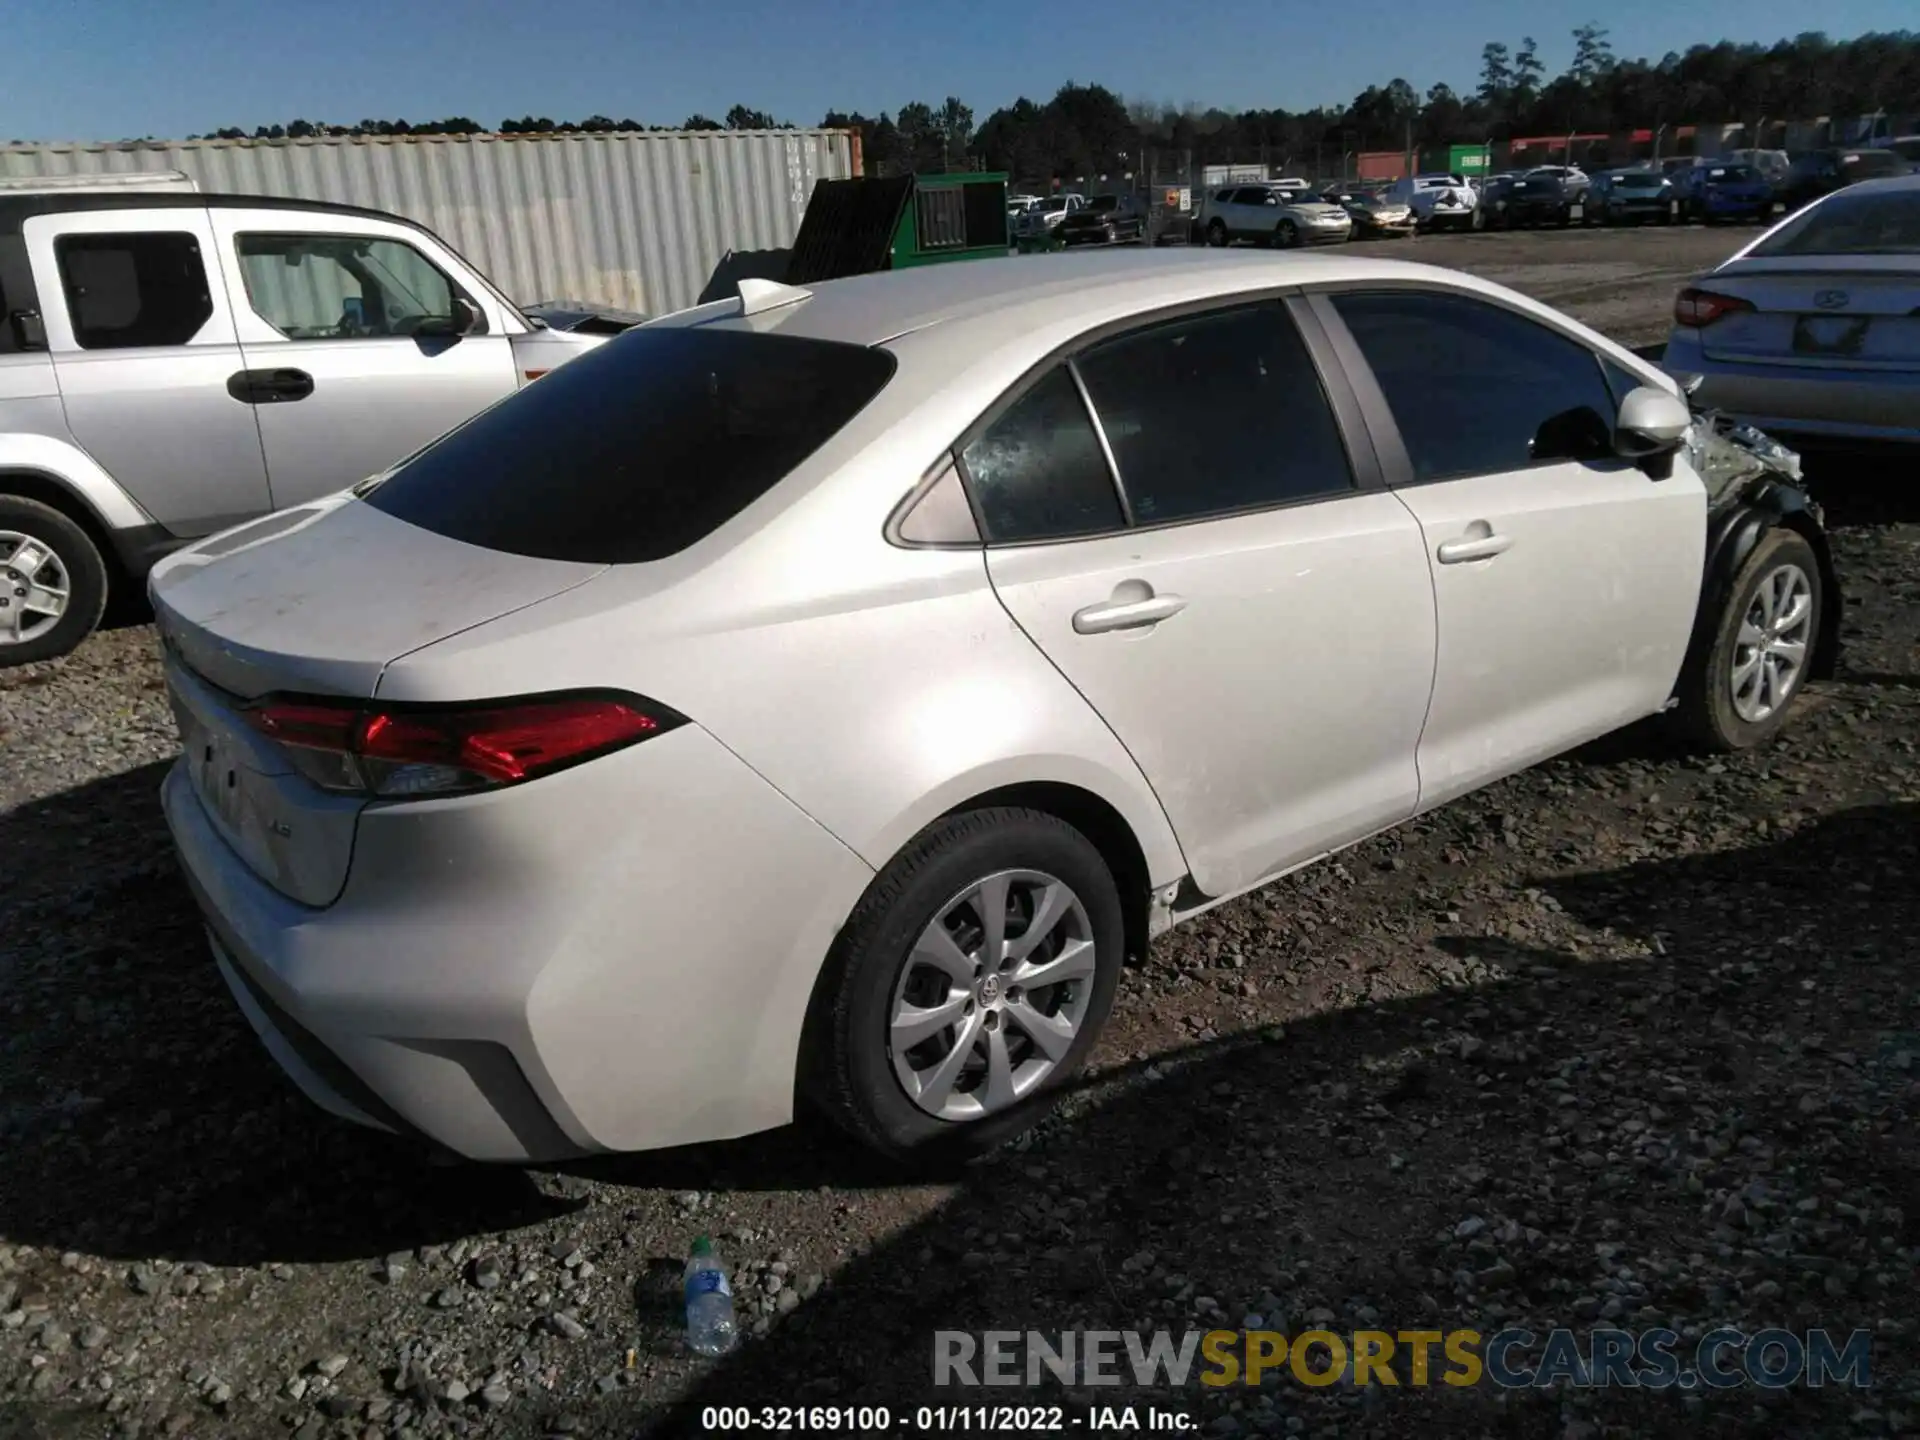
pixel 710 1329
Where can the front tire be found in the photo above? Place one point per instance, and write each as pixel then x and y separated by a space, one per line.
pixel 1286 235
pixel 1737 693
pixel 53 583
pixel 925 1044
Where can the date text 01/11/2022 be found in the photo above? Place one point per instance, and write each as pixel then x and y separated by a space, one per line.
pixel 943 1419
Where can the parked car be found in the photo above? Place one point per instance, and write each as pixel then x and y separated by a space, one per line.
pixel 1821 172
pixel 1536 200
pixel 171 363
pixel 1715 192
pixel 1041 220
pixel 1107 220
pixel 1626 197
pixel 1438 202
pixel 1907 147
pixel 1773 165
pixel 1270 213
pixel 1374 216
pixel 1572 178
pixel 1813 330
pixel 474 838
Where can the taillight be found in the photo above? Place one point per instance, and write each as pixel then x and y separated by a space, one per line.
pixel 394 751
pixel 1694 308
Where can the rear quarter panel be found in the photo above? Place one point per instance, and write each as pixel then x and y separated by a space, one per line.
pixel 876 687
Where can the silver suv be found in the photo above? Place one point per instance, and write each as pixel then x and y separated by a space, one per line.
pixel 172 364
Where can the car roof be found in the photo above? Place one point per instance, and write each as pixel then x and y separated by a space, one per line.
pixel 989 297
pixel 17 207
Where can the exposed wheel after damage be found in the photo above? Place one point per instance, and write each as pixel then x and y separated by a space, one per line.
pixel 53 584
pixel 970 982
pixel 1738 689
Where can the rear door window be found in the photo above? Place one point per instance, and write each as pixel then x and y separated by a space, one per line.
pixel 639 449
pixel 1244 375
pixel 126 291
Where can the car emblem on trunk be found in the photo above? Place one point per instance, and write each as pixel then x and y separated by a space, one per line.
pixel 1831 299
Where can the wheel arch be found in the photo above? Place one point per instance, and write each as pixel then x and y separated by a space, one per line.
pixel 51 491
pixel 1734 536
pixel 1105 828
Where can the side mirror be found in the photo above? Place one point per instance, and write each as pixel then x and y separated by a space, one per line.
pixel 464 320
pixel 1651 422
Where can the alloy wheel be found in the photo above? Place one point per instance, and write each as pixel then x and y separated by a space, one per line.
pixel 34 588
pixel 992 996
pixel 1770 649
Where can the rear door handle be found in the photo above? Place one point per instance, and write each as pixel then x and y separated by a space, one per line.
pixel 1126 614
pixel 1474 547
pixel 269 387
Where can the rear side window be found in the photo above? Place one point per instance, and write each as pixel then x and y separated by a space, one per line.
pixel 639 449
pixel 133 289
pixel 1478 390
pixel 1168 395
pixel 1038 473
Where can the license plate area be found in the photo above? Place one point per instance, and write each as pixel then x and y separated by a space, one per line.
pixel 1830 335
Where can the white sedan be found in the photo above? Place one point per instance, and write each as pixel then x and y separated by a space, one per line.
pixel 1813 330
pixel 820 694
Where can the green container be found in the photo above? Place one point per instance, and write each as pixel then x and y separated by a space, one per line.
pixel 857 227
pixel 953 217
pixel 1468 160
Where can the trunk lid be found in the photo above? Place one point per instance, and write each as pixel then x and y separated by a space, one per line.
pixel 314 601
pixel 1814 312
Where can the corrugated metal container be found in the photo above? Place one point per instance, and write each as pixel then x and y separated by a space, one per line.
pixel 1381 165
pixel 637 220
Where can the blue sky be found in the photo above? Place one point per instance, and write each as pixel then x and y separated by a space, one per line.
pixel 105 69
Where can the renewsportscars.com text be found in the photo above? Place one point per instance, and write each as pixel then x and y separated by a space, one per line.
pixel 1655 1359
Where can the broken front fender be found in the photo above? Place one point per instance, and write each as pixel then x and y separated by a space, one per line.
pixel 1755 484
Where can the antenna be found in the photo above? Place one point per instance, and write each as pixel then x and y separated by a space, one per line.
pixel 759 295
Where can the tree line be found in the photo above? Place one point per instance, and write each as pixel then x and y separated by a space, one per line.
pixel 1089 129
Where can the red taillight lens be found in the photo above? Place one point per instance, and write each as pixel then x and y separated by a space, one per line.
pixel 1695 308
pixel 392 751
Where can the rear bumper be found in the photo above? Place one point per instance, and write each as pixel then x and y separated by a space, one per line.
pixel 616 957
pixel 1875 405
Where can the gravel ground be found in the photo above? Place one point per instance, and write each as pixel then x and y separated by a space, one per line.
pixel 1629 1039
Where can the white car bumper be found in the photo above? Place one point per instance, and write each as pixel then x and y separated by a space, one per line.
pixel 615 957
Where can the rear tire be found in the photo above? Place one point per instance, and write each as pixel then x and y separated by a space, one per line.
pixel 1217 235
pixel 885 965
pixel 1720 707
pixel 46 559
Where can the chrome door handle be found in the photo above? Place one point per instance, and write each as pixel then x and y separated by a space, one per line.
pixel 1474 547
pixel 1126 614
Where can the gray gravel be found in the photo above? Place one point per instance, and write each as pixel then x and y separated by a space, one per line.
pixel 1630 1039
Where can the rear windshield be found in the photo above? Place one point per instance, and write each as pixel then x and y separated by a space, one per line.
pixel 1886 222
pixel 638 449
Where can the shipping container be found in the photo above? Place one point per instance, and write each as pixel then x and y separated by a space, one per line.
pixel 1381 165
pixel 637 221
pixel 1468 160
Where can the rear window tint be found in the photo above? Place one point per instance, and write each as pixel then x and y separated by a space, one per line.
pixel 639 449
pixel 1851 222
